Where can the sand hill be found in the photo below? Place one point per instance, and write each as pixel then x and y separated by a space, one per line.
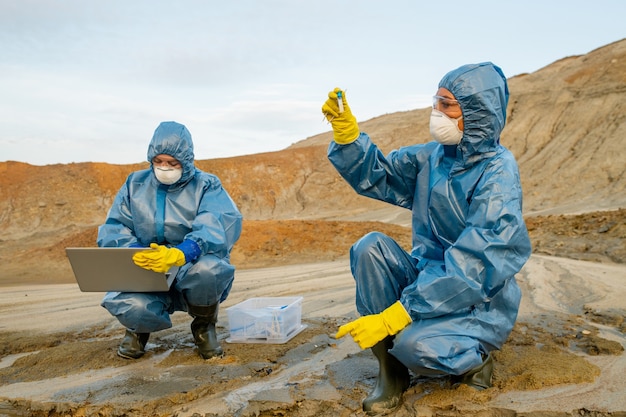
pixel 565 126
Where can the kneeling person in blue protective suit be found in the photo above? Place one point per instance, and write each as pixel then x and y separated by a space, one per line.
pixel 442 308
pixel 189 220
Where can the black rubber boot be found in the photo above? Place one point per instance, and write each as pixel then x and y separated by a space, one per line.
pixel 133 345
pixel 393 380
pixel 203 330
pixel 480 376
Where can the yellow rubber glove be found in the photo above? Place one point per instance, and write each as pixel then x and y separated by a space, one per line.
pixel 345 128
pixel 160 259
pixel 369 330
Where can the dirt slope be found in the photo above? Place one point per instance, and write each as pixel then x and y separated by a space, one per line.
pixel 566 126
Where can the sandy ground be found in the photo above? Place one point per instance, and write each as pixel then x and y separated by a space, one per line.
pixel 564 357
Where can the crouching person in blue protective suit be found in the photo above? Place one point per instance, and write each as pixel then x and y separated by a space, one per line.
pixel 188 220
pixel 442 308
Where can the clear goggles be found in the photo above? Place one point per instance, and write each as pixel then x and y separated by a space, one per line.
pixel 440 102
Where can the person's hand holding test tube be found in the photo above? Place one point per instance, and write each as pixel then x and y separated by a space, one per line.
pixel 338 113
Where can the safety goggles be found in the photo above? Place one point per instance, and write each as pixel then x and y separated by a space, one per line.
pixel 440 102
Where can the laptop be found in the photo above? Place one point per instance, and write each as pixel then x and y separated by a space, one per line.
pixel 112 269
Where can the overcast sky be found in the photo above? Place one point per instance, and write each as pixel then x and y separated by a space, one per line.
pixel 90 80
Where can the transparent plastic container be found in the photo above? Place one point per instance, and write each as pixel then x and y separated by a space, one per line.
pixel 265 320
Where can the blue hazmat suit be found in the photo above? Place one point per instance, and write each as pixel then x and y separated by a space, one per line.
pixel 195 214
pixel 469 237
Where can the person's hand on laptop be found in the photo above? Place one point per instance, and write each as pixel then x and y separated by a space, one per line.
pixel 159 258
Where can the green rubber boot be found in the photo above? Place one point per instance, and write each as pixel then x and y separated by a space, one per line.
pixel 480 376
pixel 203 330
pixel 133 345
pixel 393 380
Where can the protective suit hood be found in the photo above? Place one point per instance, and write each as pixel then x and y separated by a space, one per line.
pixel 483 95
pixel 173 139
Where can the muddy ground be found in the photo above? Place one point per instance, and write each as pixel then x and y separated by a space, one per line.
pixel 59 359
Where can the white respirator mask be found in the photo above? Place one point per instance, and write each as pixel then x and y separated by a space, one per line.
pixel 444 129
pixel 168 176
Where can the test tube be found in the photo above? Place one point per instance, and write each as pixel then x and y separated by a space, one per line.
pixel 340 101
